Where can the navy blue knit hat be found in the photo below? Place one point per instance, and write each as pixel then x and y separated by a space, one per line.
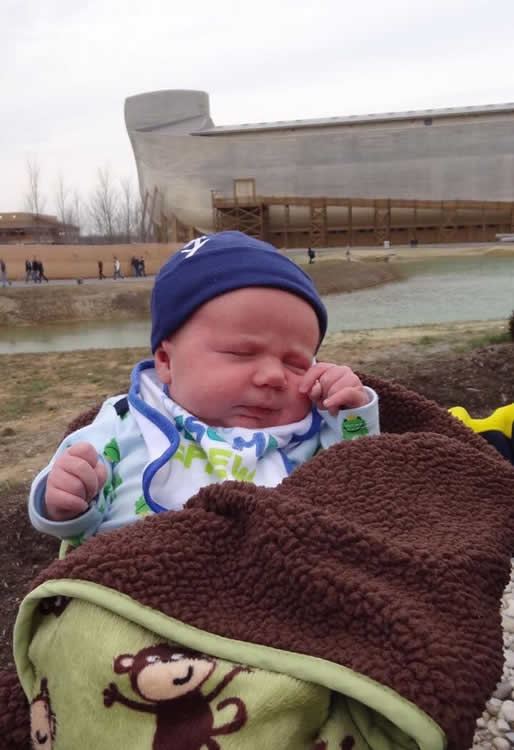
pixel 217 263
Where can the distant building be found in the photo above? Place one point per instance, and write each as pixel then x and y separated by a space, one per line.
pixel 21 228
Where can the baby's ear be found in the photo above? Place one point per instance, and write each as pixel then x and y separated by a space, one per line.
pixel 163 363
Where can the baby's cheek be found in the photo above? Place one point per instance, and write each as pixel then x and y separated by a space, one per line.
pixel 301 406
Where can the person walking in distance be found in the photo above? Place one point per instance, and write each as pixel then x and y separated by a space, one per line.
pixel 35 270
pixel 117 268
pixel 42 272
pixel 3 272
pixel 101 269
pixel 28 270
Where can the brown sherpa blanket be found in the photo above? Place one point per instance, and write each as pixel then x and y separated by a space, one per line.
pixel 387 555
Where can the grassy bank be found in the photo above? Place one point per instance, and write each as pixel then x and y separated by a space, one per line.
pixel 128 299
pixel 333 276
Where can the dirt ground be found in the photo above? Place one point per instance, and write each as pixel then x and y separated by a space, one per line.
pixel 41 394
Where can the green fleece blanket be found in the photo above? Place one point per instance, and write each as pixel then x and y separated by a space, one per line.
pixel 354 607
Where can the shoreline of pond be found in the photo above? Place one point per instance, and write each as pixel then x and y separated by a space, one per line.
pixel 129 298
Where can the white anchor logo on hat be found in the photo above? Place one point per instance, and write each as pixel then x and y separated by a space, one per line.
pixel 191 247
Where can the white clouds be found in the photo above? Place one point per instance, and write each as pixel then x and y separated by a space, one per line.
pixel 67 66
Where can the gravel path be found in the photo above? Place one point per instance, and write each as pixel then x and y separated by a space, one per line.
pixel 495 728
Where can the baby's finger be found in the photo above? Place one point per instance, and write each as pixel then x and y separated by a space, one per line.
pixel 79 470
pixel 313 373
pixel 349 398
pixel 101 473
pixel 62 506
pixel 85 451
pixel 339 378
pixel 315 392
pixel 62 479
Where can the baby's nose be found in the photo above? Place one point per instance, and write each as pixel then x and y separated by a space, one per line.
pixel 271 372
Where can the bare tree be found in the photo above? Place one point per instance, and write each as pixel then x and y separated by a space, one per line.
pixel 64 209
pixel 34 199
pixel 127 208
pixel 76 210
pixel 104 206
pixel 137 218
pixel 61 200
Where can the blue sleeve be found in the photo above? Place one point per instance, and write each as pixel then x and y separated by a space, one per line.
pixel 84 525
pixel 351 423
pixel 101 433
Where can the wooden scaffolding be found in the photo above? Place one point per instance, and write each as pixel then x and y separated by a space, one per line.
pixel 367 221
pixel 242 211
pixel 329 221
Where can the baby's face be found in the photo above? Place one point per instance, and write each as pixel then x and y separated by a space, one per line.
pixel 240 359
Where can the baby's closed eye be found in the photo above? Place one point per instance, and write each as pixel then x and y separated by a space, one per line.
pixel 297 366
pixel 238 352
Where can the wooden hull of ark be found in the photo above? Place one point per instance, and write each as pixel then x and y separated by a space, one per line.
pixel 425 176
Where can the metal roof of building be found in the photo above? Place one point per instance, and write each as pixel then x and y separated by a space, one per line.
pixel 25 219
pixel 419 114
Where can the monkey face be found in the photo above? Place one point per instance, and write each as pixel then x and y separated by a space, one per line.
pixel 42 728
pixel 168 677
pixel 162 672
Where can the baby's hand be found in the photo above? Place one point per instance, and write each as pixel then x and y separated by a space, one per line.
pixel 333 387
pixel 74 480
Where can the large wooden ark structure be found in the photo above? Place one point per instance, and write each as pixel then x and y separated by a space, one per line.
pixel 430 176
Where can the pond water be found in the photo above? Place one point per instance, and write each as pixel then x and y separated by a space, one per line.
pixel 87 334
pixel 435 291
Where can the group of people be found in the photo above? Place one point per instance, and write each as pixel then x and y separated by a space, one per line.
pixel 116 269
pixel 34 271
pixel 138 266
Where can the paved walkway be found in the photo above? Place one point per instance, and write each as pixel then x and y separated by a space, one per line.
pixel 68 282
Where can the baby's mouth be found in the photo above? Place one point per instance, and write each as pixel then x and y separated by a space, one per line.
pixel 260 415
pixel 254 409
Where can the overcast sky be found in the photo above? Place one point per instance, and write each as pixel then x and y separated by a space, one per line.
pixel 67 66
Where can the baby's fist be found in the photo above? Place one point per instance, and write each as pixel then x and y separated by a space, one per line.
pixel 333 387
pixel 75 479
